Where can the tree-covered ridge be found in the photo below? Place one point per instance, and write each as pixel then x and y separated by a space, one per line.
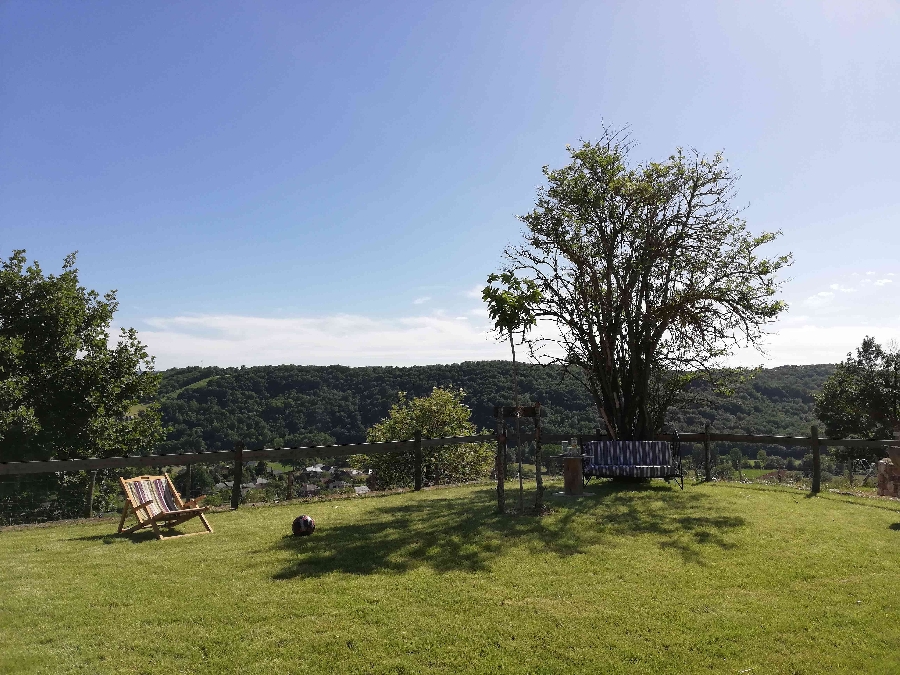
pixel 211 408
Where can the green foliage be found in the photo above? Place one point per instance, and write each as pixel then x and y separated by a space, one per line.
pixel 440 414
pixel 511 305
pixel 648 273
pixel 861 399
pixel 64 393
pixel 210 408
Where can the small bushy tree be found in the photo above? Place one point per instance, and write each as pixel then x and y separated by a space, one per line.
pixel 440 414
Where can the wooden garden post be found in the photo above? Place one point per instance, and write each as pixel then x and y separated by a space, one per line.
pixel 539 498
pixel 238 474
pixel 500 461
pixel 417 461
pixel 89 507
pixel 190 482
pixel 817 460
pixel 290 485
pixel 706 452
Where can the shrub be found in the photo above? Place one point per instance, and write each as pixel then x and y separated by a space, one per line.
pixel 440 414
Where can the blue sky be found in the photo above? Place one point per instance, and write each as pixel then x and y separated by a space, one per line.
pixel 307 182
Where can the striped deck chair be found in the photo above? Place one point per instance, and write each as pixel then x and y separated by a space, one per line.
pixel 154 500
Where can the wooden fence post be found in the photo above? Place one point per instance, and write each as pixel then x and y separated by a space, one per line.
pixel 500 461
pixel 238 476
pixel 417 461
pixel 817 460
pixel 190 481
pixel 89 507
pixel 706 452
pixel 539 497
pixel 290 485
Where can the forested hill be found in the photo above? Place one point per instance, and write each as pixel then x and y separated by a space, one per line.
pixel 210 408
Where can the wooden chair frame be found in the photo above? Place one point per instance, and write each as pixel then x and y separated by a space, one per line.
pixel 186 511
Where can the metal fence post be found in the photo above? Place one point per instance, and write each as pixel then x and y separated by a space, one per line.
pixel 238 474
pixel 538 459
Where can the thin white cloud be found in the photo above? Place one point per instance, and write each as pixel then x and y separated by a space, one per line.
pixel 228 340
pixel 799 344
pixel 842 289
pixel 474 292
pixel 882 282
pixel 422 300
pixel 819 299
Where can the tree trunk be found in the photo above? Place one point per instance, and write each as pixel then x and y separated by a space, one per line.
pixel 512 346
pixel 539 480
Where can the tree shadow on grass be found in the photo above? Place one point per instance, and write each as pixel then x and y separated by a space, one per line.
pixel 466 534
pixel 115 538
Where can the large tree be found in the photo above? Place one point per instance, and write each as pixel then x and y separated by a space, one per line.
pixel 648 276
pixel 861 399
pixel 64 392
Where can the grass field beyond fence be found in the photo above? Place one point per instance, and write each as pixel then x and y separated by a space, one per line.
pixel 723 578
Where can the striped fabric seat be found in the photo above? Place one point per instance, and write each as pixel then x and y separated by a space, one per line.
pixel 626 471
pixel 630 459
pixel 153 490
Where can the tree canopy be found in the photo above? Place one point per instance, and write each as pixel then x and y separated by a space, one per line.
pixel 440 414
pixel 646 274
pixel 861 399
pixel 64 392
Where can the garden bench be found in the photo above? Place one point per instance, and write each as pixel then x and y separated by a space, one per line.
pixel 633 459
pixel 154 500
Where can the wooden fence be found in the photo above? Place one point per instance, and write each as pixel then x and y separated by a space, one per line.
pixel 239 455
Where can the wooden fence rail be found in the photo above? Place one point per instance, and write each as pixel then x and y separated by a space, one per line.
pixel 347 449
pixel 239 456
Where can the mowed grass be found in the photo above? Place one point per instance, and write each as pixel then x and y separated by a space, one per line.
pixel 635 579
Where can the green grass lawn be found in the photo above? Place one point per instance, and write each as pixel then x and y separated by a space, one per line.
pixel 636 579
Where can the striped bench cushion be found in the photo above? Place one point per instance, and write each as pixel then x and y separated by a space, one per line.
pixel 626 471
pixel 628 453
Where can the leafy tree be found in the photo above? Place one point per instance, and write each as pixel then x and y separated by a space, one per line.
pixel 647 276
pixel 64 392
pixel 861 399
pixel 511 307
pixel 440 414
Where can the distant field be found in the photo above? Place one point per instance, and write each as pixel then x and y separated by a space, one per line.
pixel 721 578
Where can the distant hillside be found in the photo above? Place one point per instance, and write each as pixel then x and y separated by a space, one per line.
pixel 210 408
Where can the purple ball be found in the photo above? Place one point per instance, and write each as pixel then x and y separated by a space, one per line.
pixel 303 526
